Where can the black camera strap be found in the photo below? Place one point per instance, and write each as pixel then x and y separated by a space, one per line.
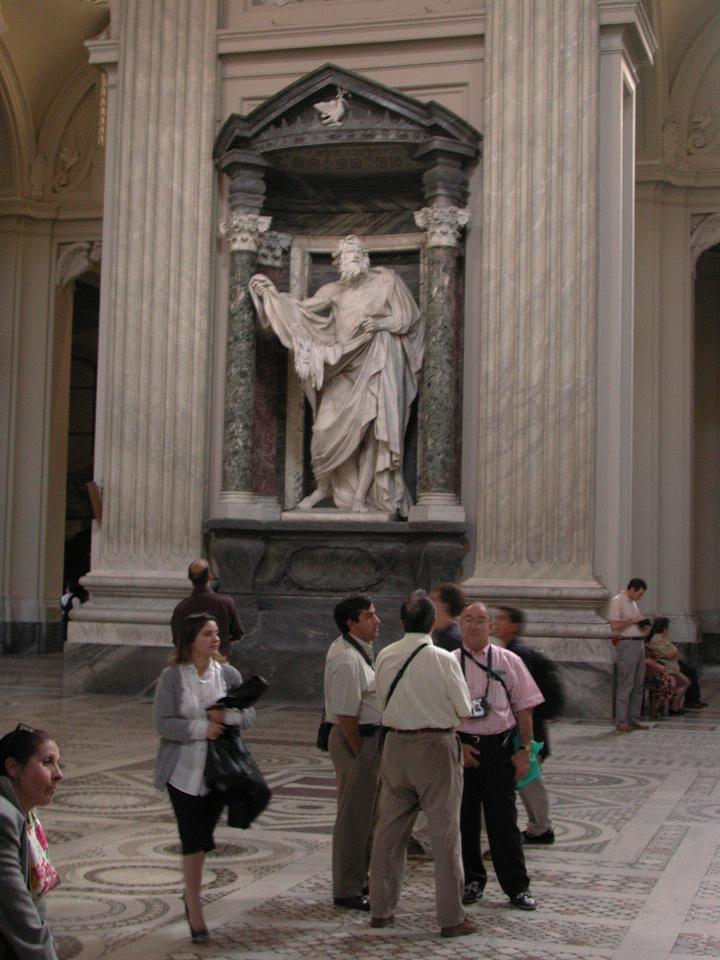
pixel 488 670
pixel 353 643
pixel 401 671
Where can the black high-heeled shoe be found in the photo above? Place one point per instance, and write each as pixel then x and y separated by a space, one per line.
pixel 197 936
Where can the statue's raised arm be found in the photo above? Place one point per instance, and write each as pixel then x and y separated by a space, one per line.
pixel 358 346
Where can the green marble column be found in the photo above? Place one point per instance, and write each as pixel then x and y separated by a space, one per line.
pixel 436 496
pixel 243 232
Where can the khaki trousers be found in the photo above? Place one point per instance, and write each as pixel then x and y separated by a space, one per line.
pixel 535 799
pixel 357 782
pixel 419 771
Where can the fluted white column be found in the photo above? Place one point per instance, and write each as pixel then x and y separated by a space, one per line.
pixel 152 438
pixel 536 416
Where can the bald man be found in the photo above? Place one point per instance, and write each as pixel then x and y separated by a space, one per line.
pixel 203 599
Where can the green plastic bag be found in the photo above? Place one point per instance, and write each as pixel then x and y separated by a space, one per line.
pixel 535 771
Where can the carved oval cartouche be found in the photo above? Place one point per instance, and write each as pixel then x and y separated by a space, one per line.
pixel 333 568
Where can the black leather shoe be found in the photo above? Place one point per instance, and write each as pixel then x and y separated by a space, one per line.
pixel 523 901
pixel 540 838
pixel 353 903
pixel 472 893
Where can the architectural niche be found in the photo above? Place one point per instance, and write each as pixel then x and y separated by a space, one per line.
pixel 335 154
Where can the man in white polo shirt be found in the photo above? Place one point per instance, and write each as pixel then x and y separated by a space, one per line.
pixel 351 705
pixel 624 618
pixel 425 698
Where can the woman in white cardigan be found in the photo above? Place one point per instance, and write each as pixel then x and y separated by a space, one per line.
pixel 29 775
pixel 186 719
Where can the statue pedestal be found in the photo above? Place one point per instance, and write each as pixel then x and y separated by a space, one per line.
pixel 286 578
pixel 325 514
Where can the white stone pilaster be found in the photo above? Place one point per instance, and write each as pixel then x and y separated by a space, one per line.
pixel 663 552
pixel 535 420
pixel 153 376
pixel 625 41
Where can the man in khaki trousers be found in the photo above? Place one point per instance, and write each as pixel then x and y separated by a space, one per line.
pixel 421 767
pixel 351 705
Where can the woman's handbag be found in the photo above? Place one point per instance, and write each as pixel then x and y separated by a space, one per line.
pixel 231 770
pixel 246 694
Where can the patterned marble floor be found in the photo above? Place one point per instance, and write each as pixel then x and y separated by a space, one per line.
pixel 634 874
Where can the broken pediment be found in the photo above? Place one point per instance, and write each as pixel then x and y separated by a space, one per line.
pixel 339 123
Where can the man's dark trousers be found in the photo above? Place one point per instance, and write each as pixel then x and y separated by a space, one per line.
pixel 492 785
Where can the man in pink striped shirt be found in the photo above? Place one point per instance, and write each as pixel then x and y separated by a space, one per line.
pixel 503 695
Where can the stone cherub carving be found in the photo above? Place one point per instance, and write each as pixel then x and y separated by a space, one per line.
pixel 358 345
pixel 332 112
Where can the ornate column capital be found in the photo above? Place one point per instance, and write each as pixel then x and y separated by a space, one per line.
pixel 242 231
pixel 443 224
pixel 273 247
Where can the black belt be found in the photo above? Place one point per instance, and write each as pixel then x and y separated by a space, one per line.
pixel 479 741
pixel 368 729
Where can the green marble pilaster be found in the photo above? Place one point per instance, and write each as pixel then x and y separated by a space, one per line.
pixel 436 495
pixel 239 375
pixel 243 233
pixel 437 415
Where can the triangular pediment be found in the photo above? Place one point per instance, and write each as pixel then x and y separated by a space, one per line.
pixel 333 107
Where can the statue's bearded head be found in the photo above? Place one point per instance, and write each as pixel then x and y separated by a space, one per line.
pixel 351 259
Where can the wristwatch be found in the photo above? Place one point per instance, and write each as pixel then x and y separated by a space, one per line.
pixel 527 747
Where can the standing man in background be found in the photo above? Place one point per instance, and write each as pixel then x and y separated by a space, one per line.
pixel 624 618
pixel 507 627
pixel 203 599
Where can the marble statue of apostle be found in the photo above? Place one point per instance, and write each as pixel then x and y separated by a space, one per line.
pixel 358 345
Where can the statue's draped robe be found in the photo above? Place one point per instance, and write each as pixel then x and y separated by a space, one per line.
pixel 360 385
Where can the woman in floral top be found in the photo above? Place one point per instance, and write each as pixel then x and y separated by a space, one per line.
pixel 29 775
pixel 668 655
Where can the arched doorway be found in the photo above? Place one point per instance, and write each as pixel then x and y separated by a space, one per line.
pixel 707 444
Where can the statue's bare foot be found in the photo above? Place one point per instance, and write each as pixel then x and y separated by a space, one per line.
pixel 360 506
pixel 315 497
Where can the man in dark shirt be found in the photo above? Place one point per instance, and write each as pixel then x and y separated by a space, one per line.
pixel 450 601
pixel 507 628
pixel 203 599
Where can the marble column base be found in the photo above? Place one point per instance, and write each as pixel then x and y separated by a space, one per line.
pixel 30 637
pixel 683 627
pixel 247 506
pixel 437 512
pixel 103 663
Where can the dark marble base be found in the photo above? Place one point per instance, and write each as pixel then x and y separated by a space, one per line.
pixel 287 577
pixel 31 637
pixel 113 668
pixel 711 647
pixel 589 688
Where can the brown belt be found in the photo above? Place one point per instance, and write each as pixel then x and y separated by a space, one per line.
pixel 424 730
